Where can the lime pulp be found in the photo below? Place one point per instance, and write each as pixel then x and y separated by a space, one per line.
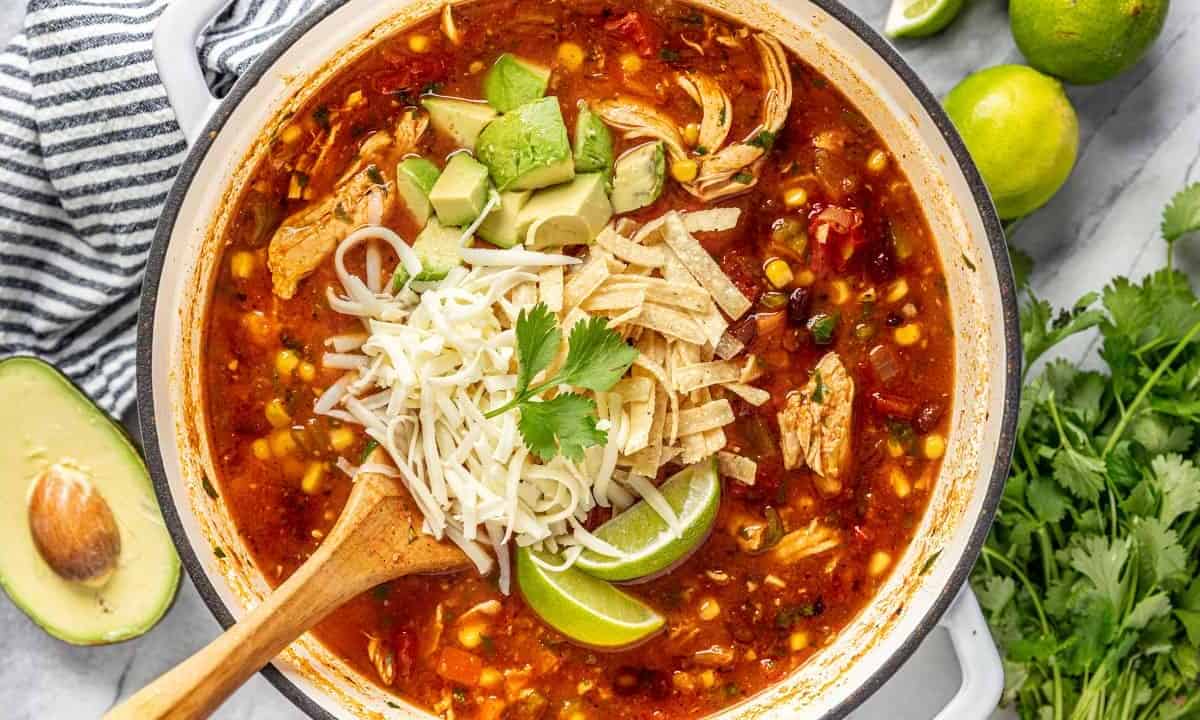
pixel 919 18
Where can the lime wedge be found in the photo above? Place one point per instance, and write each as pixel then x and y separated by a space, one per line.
pixel 641 533
pixel 918 18
pixel 585 609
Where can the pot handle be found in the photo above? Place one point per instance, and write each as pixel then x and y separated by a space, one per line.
pixel 175 38
pixel 982 672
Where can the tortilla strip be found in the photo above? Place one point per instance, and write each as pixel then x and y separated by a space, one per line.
pixel 711 220
pixel 629 251
pixel 739 468
pixel 701 265
pixel 649 459
pixel 586 280
pixel 626 318
pixel 634 388
pixel 709 416
pixel 714 440
pixel 752 370
pixel 608 298
pixel 641 421
pixel 669 322
pixel 695 448
pixel 694 377
pixel 550 287
pixel 753 395
pixel 684 296
pixel 712 322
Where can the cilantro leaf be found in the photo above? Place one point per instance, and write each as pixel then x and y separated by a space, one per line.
pixel 1079 473
pixel 597 357
pixel 1041 330
pixel 1163 558
pixel 1102 562
pixel 1179 481
pixel 538 338
pixel 1048 502
pixel 566 424
pixel 1182 215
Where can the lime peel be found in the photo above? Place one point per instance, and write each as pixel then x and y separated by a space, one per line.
pixel 919 18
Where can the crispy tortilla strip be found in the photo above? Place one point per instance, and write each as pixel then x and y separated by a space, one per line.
pixel 753 395
pixel 728 347
pixel 550 287
pixel 635 389
pixel 624 319
pixel 629 251
pixel 647 460
pixel 739 468
pixel 714 440
pixel 669 454
pixel 620 298
pixel 700 375
pixel 670 322
pixel 702 267
pixel 686 296
pixel 708 416
pixel 711 220
pixel 713 323
pixel 586 280
pixel 752 370
pixel 695 448
pixel 641 421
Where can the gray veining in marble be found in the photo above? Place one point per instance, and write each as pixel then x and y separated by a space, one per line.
pixel 1140 143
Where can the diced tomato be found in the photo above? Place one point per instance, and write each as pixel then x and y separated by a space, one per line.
pixel 638 30
pixel 406 652
pixel 893 405
pixel 837 232
pixel 459 666
pixel 411 75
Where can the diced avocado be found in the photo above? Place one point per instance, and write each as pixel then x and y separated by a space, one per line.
pixel 415 177
pixel 639 177
pixel 512 82
pixel 461 191
pixel 110 571
pixel 500 226
pixel 437 246
pixel 593 143
pixel 527 148
pixel 570 214
pixel 461 120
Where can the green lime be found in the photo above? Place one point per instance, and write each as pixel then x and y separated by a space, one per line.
pixel 1022 133
pixel 1086 41
pixel 694 493
pixel 584 608
pixel 918 18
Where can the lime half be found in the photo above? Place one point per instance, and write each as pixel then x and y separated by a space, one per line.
pixel 585 609
pixel 918 18
pixel 694 493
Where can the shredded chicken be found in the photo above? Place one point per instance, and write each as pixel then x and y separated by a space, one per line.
pixel 812 539
pixel 815 424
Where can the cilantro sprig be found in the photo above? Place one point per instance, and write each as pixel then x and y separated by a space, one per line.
pixel 596 360
pixel 1089 576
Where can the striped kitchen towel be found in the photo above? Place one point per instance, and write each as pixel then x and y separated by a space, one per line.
pixel 88 149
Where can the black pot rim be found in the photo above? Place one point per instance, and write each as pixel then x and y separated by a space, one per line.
pixel 983 203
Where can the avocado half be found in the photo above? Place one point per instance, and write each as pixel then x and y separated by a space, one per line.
pixel 75 492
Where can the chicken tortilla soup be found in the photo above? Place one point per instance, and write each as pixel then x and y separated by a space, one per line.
pixel 642 313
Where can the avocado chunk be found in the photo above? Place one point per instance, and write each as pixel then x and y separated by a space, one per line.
pixel 461 191
pixel 527 148
pixel 86 553
pixel 512 82
pixel 593 143
pixel 639 177
pixel 415 177
pixel 437 246
pixel 500 226
pixel 460 120
pixel 570 214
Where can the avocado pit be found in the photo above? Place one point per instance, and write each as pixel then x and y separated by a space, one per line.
pixel 72 526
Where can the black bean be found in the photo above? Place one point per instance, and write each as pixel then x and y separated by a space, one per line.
pixel 745 330
pixel 894 320
pixel 928 416
pixel 797 307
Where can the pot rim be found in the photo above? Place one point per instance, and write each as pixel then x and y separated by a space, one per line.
pixel 869 36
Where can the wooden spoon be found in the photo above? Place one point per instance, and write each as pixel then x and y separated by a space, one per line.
pixel 376 539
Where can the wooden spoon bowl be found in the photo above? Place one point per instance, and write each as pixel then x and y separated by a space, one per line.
pixel 377 538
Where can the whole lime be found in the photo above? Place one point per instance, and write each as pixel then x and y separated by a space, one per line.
pixel 1021 131
pixel 1085 41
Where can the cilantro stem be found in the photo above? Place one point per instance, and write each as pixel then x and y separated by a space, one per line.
pixel 1146 388
pixel 1033 593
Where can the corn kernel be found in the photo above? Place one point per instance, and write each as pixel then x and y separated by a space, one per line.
pixel 708 678
pixel 798 641
pixel 877 161
pixel 900 484
pixel 290 133
pixel 490 678
pixel 570 56
pixel 577 715
pixel 630 63
pixel 475 67
pixel 907 334
pixel 779 273
pixel 795 197
pixel 314 477
pixel 879 563
pixel 691 133
pixel 418 43
pixel 684 170
pixel 839 292
pixel 682 681
pixel 242 264
pixel 286 362
pixel 897 291
pixel 894 448
pixel 934 446
pixel 282 443
pixel 261 448
pixel 355 99
pixel 341 438
pixel 277 414
pixel 709 609
pixel 307 371
pixel 470 636
pixel 805 278
pixel 257 325
pixel 584 687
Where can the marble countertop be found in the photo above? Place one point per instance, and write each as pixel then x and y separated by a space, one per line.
pixel 1140 143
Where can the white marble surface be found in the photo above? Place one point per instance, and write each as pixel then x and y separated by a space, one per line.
pixel 1141 142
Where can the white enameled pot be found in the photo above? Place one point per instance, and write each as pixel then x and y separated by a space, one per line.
pixel 229 137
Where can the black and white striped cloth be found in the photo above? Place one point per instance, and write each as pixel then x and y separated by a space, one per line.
pixel 88 149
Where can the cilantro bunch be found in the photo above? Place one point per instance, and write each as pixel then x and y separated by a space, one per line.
pixel 597 358
pixel 1089 577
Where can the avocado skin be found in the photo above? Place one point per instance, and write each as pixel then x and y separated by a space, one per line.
pixel 527 148
pixel 62 609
